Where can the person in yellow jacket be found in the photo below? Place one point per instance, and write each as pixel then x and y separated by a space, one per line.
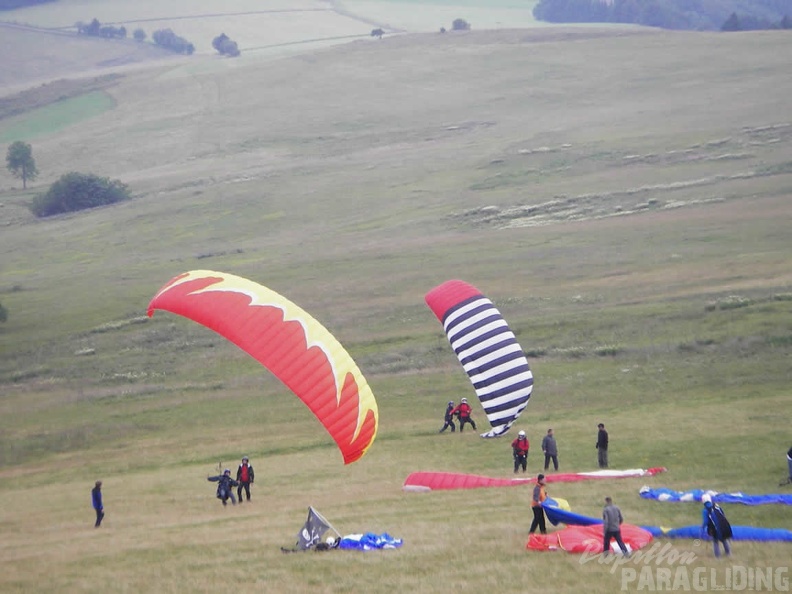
pixel 539 495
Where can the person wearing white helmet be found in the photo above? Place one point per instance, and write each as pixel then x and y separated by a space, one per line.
pixel 225 486
pixel 463 412
pixel 449 417
pixel 520 448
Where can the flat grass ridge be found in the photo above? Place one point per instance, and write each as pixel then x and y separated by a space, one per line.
pixel 629 218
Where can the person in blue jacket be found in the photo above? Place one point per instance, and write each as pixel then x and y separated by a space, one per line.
pixel 96 499
pixel 715 524
pixel 449 417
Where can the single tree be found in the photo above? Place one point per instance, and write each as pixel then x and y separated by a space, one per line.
pixel 3 313
pixel 20 162
pixel 139 35
pixel 732 23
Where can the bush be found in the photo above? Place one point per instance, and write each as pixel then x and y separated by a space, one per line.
pixel 139 35
pixel 78 191
pixel 3 313
pixel 225 45
pixel 168 39
pixel 460 25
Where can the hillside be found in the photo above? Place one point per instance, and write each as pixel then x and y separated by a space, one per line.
pixel 628 216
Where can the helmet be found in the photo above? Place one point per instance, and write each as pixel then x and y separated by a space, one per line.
pixel 227 471
pixel 706 498
pixel 521 434
pixel 330 541
pixel 450 402
pixel 244 458
pixel 464 400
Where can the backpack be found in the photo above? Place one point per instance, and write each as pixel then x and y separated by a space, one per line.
pixel 717 525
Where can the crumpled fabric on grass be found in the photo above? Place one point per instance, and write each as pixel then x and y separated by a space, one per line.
pixel 370 541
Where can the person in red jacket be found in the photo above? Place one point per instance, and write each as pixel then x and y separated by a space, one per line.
pixel 520 451
pixel 463 414
pixel 244 478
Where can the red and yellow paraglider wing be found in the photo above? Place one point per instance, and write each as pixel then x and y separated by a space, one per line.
pixel 287 341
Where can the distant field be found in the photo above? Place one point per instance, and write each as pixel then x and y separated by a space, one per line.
pixel 251 24
pixel 415 15
pixel 630 218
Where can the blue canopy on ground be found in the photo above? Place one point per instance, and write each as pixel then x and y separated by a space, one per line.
pixel 738 533
pixel 695 495
pixel 559 516
pixel 370 541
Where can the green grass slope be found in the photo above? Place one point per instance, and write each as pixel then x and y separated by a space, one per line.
pixel 622 196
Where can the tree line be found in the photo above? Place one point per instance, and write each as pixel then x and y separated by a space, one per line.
pixel 13 4
pixel 163 37
pixel 670 14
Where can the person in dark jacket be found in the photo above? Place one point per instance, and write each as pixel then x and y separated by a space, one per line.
pixel 225 486
pixel 463 413
pixel 449 417
pixel 245 478
pixel 602 446
pixel 96 499
pixel 520 448
pixel 715 524
pixel 789 465
pixel 611 527
pixel 550 450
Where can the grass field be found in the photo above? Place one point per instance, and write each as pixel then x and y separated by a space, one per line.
pixel 628 217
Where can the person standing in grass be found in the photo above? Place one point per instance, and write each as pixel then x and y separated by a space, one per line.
pixel 449 417
pixel 463 413
pixel 602 446
pixel 611 527
pixel 789 465
pixel 539 495
pixel 550 450
pixel 715 524
pixel 96 499
pixel 520 448
pixel 245 477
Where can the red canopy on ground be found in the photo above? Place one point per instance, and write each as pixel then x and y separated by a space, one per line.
pixel 587 539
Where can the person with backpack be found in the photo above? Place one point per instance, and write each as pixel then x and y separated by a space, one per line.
pixel 520 448
pixel 225 486
pixel 245 478
pixel 449 417
pixel 463 414
pixel 715 524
